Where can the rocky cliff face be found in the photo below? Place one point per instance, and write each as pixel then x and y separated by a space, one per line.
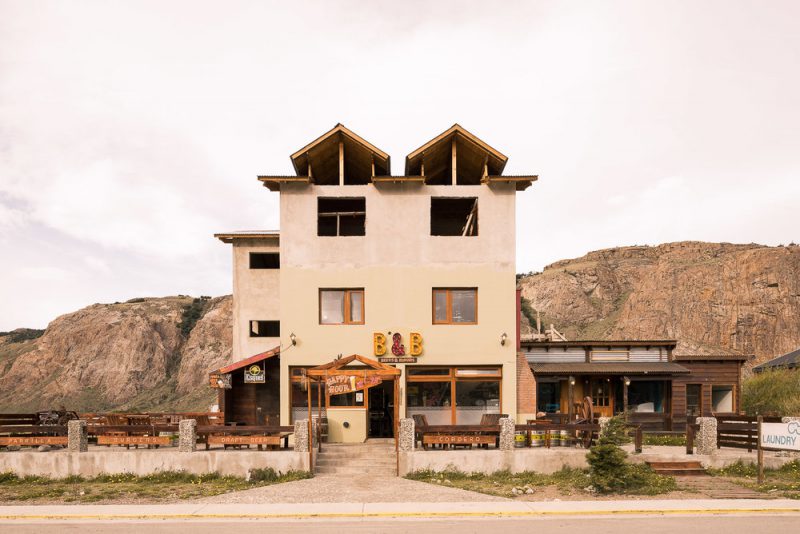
pixel 132 355
pixel 155 353
pixel 709 296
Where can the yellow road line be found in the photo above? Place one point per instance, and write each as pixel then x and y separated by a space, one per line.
pixel 351 515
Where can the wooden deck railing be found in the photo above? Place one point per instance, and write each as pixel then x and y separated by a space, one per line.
pixel 739 431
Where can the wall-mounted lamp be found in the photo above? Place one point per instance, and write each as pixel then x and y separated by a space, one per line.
pixel 572 381
pixel 503 338
pixel 293 338
pixel 626 380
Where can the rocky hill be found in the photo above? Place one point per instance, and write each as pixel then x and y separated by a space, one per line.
pixel 709 296
pixel 149 354
pixel 154 353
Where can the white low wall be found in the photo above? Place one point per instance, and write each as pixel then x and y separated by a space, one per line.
pixel 549 461
pixel 59 464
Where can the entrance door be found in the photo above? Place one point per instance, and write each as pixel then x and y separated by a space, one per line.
pixel 600 390
pixel 380 413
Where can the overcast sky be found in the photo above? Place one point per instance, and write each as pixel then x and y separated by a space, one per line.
pixel 130 132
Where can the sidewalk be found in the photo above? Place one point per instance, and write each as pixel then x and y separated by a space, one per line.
pixel 351 511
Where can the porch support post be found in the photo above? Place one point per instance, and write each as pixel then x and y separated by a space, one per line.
pixel 625 398
pixel 571 398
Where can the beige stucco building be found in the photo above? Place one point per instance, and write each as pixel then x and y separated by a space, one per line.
pixel 415 270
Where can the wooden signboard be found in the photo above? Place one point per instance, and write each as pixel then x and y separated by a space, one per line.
pixel 783 436
pixel 457 439
pixel 244 440
pixel 339 384
pixel 133 440
pixel 23 441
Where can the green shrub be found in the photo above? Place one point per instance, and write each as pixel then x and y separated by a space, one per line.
pixel 191 314
pixel 609 471
pixel 772 392
pixel 263 475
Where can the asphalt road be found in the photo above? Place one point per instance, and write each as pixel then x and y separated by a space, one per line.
pixel 655 524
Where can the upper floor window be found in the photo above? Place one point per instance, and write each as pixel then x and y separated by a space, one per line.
pixel 265 329
pixel 341 216
pixel 455 306
pixel 454 216
pixel 341 306
pixel 265 260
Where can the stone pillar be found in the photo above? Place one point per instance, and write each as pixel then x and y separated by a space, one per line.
pixel 301 435
pixel 506 434
pixel 406 438
pixel 77 436
pixel 706 439
pixel 187 435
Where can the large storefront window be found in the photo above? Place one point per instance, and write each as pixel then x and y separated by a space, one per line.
pixel 449 395
pixel 646 396
pixel 722 399
pixel 548 397
pixel 299 396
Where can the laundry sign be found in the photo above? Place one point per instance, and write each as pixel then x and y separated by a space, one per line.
pixel 785 436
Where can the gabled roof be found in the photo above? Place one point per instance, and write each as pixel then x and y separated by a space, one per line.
pixel 326 147
pixel 438 151
pixel 789 360
pixel 338 365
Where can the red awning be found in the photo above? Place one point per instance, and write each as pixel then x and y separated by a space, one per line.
pixel 247 361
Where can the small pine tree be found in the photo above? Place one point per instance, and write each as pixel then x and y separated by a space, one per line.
pixel 607 465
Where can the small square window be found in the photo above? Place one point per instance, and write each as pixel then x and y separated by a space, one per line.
pixel 454 216
pixel 455 306
pixel 341 216
pixel 265 329
pixel 341 306
pixel 265 260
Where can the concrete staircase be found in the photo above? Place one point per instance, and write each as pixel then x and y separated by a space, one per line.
pixel 686 468
pixel 375 458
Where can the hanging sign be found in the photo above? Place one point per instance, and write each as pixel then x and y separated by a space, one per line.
pixel 220 381
pixel 784 436
pixel 339 384
pixel 254 374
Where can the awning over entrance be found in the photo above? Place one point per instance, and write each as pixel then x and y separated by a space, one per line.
pixel 217 379
pixel 616 368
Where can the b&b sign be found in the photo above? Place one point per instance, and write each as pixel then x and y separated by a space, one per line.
pixel 785 436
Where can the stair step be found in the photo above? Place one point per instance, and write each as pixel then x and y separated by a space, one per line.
pixel 349 471
pixel 689 464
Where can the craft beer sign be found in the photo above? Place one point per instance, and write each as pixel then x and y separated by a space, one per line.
pixel 254 374
pixel 785 436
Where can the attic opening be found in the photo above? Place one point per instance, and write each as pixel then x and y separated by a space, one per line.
pixel 341 216
pixel 454 216
pixel 340 157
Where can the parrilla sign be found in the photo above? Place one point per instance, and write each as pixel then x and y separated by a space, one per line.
pixel 785 436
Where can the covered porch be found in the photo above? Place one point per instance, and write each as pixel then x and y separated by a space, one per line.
pixel 641 391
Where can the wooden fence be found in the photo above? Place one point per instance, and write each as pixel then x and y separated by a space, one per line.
pixel 739 431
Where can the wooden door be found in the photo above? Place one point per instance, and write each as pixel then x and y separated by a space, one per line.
pixel 602 398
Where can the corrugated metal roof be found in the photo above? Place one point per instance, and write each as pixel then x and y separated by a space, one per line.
pixel 725 357
pixel 610 368
pixel 529 343
pixel 247 361
pixel 791 360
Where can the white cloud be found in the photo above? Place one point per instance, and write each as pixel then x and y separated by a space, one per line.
pixel 130 132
